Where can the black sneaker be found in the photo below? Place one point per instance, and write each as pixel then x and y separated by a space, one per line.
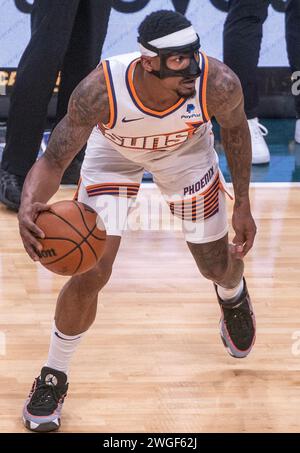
pixel 43 406
pixel 10 189
pixel 237 324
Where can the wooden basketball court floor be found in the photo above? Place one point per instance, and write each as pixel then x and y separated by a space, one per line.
pixel 153 361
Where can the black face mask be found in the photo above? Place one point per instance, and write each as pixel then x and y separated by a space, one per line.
pixel 191 71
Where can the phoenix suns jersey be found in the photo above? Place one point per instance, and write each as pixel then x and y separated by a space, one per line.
pixel 175 145
pixel 142 134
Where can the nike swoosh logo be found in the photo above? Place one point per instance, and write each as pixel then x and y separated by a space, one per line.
pixel 124 120
pixel 66 339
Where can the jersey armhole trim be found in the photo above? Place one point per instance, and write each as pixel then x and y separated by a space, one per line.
pixel 138 103
pixel 203 87
pixel 111 95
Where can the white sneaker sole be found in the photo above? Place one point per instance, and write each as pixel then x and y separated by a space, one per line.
pixel 42 427
pixel 260 160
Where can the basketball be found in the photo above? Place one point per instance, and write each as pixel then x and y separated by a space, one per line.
pixel 74 240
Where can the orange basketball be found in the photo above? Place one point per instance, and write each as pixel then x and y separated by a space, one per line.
pixel 74 240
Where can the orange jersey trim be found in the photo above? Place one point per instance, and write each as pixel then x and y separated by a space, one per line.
pixel 203 87
pixel 138 102
pixel 124 190
pixel 226 191
pixel 75 198
pixel 189 201
pixel 111 95
pixel 110 184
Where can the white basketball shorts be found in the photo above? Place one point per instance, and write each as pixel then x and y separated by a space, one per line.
pixel 189 180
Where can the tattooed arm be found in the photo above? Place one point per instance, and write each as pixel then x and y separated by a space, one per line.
pixel 225 101
pixel 87 106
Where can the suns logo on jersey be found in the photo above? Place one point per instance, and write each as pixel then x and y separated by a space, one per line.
pixel 153 142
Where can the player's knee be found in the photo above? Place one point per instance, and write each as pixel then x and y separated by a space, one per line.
pixel 93 280
pixel 102 272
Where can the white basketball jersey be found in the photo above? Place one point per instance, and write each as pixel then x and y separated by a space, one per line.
pixel 140 133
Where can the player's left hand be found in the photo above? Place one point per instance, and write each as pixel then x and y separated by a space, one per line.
pixel 245 230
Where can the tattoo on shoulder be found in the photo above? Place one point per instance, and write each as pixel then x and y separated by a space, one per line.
pixel 88 103
pixel 223 88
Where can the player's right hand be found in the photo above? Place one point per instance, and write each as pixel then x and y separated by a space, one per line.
pixel 29 231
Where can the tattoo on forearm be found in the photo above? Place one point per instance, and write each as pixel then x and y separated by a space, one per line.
pixel 237 146
pixel 65 142
pixel 225 102
pixel 87 106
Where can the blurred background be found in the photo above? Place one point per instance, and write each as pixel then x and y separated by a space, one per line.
pixel 276 110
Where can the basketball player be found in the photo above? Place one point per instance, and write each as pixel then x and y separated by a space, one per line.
pixel 148 110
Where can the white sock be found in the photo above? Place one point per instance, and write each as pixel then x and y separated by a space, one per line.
pixel 61 350
pixel 230 294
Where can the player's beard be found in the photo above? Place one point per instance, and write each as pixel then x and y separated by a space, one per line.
pixel 186 95
pixel 186 91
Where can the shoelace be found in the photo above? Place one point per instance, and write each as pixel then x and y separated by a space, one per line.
pixel 45 394
pixel 238 318
pixel 259 130
pixel 264 131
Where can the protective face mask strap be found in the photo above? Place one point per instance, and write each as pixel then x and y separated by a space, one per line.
pixel 192 70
